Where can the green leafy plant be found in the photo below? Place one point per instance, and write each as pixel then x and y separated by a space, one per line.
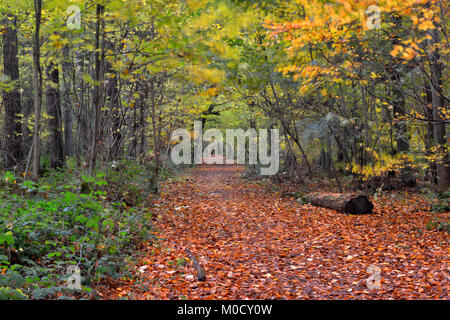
pixel 44 228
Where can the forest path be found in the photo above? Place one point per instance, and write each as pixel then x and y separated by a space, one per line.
pixel 256 244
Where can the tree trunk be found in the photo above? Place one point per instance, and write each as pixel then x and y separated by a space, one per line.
pixel 11 99
pixel 297 142
pixel 37 90
pixel 442 164
pixel 133 133
pixel 68 122
pixel 142 126
pixel 429 138
pixel 399 102
pixel 56 147
pixel 97 91
pixel 399 114
pixel 112 92
pixel 348 203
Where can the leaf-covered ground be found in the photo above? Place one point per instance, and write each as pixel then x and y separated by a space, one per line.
pixel 257 244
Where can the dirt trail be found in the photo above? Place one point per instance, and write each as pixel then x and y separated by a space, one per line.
pixel 259 245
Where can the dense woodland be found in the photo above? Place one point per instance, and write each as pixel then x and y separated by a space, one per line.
pixel 91 92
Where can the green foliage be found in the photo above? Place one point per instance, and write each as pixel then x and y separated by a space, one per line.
pixel 439 203
pixel 45 228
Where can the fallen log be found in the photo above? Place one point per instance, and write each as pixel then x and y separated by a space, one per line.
pixel 348 203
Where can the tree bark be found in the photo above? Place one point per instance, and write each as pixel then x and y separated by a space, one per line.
pixel 37 89
pixel 399 100
pixel 11 98
pixel 399 114
pixel 442 164
pixel 56 147
pixel 142 126
pixel 97 91
pixel 67 116
pixel 429 138
pixel 113 95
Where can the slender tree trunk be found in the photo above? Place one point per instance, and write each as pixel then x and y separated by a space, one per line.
pixel 398 103
pixel 442 164
pixel 133 147
pixel 67 116
pixel 142 130
pixel 11 99
pixel 399 113
pixel 114 105
pixel 97 91
pixel 37 90
pixel 429 138
pixel 297 142
pixel 56 147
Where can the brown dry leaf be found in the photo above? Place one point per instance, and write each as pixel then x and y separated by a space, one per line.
pixel 255 244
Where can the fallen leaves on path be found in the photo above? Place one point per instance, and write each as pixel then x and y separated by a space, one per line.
pixel 254 244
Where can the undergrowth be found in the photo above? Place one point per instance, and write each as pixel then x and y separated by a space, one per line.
pixel 70 219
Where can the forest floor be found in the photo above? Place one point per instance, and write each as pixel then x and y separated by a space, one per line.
pixel 258 244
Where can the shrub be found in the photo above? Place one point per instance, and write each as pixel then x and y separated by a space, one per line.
pixel 44 229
